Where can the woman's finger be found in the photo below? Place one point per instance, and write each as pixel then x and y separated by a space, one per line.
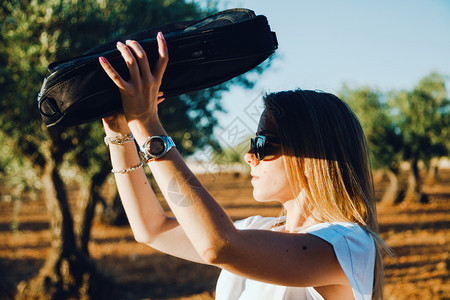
pixel 160 97
pixel 130 61
pixel 161 64
pixel 112 73
pixel 139 52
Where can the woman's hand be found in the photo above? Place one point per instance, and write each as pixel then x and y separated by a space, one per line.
pixel 140 95
pixel 116 125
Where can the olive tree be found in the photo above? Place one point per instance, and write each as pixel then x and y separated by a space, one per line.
pixel 423 117
pixel 36 33
pixel 384 140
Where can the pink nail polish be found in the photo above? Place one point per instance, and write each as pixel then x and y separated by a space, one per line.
pixel 103 59
pixel 160 35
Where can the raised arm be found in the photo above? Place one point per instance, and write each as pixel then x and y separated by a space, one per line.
pixel 275 257
pixel 148 221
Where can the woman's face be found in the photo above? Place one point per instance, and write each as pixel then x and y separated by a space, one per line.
pixel 269 178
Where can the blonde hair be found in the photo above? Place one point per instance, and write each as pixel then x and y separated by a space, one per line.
pixel 326 155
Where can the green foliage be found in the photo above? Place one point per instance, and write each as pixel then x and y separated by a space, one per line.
pixel 423 117
pixel 403 125
pixel 17 171
pixel 37 32
pixel 383 139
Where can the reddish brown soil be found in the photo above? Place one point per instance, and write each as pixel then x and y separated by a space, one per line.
pixel 418 233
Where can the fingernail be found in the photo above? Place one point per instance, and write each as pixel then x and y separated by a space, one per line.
pixel 119 43
pixel 103 60
pixel 160 35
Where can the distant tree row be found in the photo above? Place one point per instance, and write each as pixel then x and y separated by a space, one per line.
pixel 404 126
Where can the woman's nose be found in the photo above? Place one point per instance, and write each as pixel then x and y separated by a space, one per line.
pixel 251 159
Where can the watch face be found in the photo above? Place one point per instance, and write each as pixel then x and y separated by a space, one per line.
pixel 156 146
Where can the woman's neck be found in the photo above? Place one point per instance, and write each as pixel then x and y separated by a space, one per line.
pixel 297 214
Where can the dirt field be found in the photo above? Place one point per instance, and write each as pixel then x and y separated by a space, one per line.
pixel 419 234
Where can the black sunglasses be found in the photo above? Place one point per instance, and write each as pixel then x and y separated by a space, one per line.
pixel 260 146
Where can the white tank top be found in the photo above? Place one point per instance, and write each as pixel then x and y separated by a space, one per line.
pixel 354 248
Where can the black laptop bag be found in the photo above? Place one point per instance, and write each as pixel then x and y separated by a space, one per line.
pixel 202 54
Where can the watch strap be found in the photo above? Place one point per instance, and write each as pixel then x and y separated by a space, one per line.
pixel 147 156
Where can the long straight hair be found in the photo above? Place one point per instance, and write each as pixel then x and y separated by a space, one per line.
pixel 325 154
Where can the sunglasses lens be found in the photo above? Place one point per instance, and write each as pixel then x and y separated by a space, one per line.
pixel 252 146
pixel 260 147
pixel 263 149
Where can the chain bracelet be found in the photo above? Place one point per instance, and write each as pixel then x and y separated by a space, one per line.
pixel 118 139
pixel 128 170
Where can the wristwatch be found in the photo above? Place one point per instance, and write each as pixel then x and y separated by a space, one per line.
pixel 155 147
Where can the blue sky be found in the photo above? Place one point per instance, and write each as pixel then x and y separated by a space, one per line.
pixel 323 44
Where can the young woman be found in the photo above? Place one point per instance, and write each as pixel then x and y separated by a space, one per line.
pixel 309 154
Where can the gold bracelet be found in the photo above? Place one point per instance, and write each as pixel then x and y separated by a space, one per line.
pixel 128 170
pixel 118 139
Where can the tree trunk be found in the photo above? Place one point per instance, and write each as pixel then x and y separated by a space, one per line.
pixel 433 171
pixel 67 272
pixel 83 230
pixel 414 191
pixel 396 189
pixel 113 213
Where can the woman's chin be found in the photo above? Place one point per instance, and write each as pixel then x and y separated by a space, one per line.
pixel 259 197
